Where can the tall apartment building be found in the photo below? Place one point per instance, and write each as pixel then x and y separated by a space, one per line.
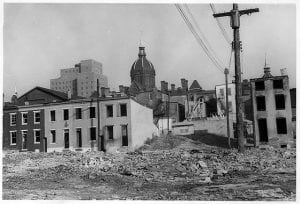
pixel 272 110
pixel 80 80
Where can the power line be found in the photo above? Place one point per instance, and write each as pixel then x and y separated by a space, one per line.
pixel 223 31
pixel 202 34
pixel 198 38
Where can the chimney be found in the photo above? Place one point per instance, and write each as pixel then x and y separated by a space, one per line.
pixel 69 94
pixel 184 84
pixel 121 88
pixel 172 87
pixel 102 92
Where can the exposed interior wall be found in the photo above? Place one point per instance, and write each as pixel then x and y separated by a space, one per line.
pixel 142 124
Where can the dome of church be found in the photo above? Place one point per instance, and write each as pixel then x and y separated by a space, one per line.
pixel 142 65
pixel 142 71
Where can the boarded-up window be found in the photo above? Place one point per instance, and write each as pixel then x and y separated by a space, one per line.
pixel 261 103
pixel 279 102
pixel 281 126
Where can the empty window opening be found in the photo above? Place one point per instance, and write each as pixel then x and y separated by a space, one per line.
pixel 281 126
pixel 93 133
pixel 52 115
pixel 263 130
pixel 259 85
pixel 53 136
pixel 92 112
pixel 280 102
pixel 79 137
pixel 109 111
pixel 110 132
pixel 66 114
pixel 78 113
pixel 278 84
pixel 261 103
pixel 123 109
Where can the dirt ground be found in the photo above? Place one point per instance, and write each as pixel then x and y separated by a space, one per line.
pixel 166 168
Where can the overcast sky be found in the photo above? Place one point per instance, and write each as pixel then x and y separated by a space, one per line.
pixel 41 39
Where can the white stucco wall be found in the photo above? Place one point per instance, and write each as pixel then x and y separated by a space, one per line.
pixel 142 124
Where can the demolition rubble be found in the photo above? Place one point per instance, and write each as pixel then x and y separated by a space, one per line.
pixel 167 168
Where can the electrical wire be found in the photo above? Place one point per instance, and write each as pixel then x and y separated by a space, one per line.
pixel 223 31
pixel 198 38
pixel 201 33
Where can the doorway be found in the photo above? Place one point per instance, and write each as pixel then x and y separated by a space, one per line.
pixel 124 135
pixel 263 130
pixel 24 140
pixel 79 137
pixel 45 144
pixel 66 136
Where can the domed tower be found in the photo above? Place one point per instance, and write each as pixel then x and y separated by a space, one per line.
pixel 142 71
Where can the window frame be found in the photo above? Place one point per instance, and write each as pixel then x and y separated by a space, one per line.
pixel 259 89
pixel 94 128
pixel 108 136
pixel 112 111
pixel 34 135
pixel 80 113
pixel 10 137
pixel 34 117
pixel 10 119
pixel 52 136
pixel 68 115
pixel 22 114
pixel 281 122
pixel 265 108
pixel 275 85
pixel 277 97
pixel 90 108
pixel 120 108
pixel 54 115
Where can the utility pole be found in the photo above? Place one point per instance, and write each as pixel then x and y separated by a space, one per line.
pixel 235 14
pixel 168 111
pixel 100 134
pixel 226 72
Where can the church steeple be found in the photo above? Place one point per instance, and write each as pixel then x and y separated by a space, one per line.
pixel 267 72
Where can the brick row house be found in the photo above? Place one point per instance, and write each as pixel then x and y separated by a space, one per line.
pixel 72 124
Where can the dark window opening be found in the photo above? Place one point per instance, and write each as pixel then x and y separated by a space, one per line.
pixel 279 101
pixel 79 137
pixel 37 136
pixel 261 103
pixel 78 113
pixel 52 113
pixel 283 146
pixel 123 109
pixel 263 130
pixel 53 133
pixel 109 111
pixel 281 126
pixel 278 84
pixel 92 112
pixel 259 85
pixel 110 132
pixel 124 135
pixel 66 114
pixel 93 133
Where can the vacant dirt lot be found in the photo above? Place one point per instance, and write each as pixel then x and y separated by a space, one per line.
pixel 167 168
